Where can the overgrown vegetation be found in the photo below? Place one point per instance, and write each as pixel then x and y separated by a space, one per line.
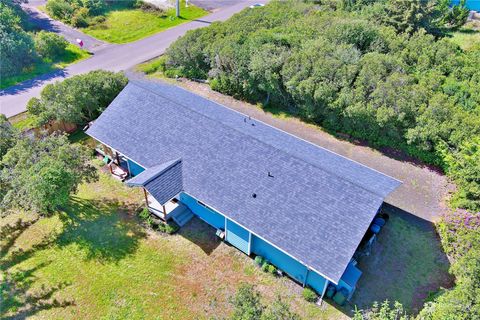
pixel 168 227
pixel 381 71
pixel 460 234
pixel 16 45
pixel 40 174
pixel 248 306
pixel 26 54
pixel 78 99
pixel 383 311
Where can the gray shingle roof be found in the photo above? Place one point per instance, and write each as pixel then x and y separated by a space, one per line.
pixel 315 205
pixel 163 181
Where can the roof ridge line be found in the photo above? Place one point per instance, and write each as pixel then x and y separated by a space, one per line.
pixel 169 166
pixel 138 84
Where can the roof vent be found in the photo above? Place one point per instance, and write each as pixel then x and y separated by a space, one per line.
pixel 270 174
pixel 254 195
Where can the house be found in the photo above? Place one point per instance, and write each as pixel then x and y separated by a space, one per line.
pixel 302 207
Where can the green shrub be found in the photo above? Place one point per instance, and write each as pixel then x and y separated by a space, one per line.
pixel 50 45
pixel 383 311
pixel 60 10
pixel 98 162
pixel 272 269
pixel 169 228
pixel 74 12
pixel 309 295
pixel 265 266
pixel 144 214
pixel 97 20
pixel 80 18
pixel 150 222
pixel 259 260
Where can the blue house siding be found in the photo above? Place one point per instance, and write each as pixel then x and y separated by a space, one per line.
pixel 281 260
pixel 237 236
pixel 135 169
pixel 240 237
pixel 316 281
pixel 208 215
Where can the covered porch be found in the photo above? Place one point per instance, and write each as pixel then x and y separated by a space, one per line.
pixel 161 186
pixel 172 209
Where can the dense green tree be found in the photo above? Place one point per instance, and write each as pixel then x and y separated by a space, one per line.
pixel 41 174
pixel 78 99
pixel 8 135
pixel 464 167
pixel 16 45
pixel 50 45
pixel 408 16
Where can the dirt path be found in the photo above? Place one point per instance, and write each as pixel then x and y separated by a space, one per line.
pixel 423 191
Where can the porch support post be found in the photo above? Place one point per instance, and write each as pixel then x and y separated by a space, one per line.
pixel 118 158
pixel 128 168
pixel 164 213
pixel 146 197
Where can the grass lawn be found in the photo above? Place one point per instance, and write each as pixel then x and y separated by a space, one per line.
pixel 72 54
pixel 92 260
pixel 23 121
pixel 124 25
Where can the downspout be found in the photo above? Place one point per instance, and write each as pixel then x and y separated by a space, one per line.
pixel 306 277
pixel 324 288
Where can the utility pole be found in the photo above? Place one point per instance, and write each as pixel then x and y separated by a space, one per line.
pixel 178 8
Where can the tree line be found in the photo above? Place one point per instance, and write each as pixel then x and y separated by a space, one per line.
pixel 39 174
pixel 380 71
pixel 21 45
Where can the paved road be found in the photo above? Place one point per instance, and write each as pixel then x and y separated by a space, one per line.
pixel 13 100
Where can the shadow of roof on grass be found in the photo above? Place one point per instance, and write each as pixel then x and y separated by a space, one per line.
pixel 407 263
pixel 201 234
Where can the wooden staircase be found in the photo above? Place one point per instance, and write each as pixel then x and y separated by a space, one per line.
pixel 181 214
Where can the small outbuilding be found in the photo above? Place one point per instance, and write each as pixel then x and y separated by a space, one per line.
pixel 303 208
